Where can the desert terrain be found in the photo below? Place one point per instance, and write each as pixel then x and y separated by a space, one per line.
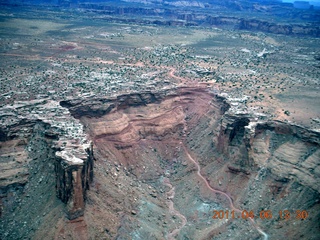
pixel 125 130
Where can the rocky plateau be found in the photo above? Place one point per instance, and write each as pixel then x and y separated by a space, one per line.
pixel 215 13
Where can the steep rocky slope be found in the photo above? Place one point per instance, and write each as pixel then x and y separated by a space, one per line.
pixel 145 140
pixel 164 162
pixel 43 155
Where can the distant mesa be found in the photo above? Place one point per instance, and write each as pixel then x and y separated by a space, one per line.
pixel 301 5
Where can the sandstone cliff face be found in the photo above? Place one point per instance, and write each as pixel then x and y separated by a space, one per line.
pixel 269 165
pixel 39 161
pixel 27 178
pixel 288 151
pixel 73 179
pixel 101 107
pixel 13 166
pixel 265 26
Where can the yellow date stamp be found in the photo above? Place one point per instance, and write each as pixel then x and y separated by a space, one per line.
pixel 263 214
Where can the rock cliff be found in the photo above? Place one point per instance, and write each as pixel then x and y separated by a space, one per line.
pixel 43 154
pixel 142 144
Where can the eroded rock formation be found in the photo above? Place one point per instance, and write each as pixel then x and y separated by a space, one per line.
pixel 74 172
pixel 140 140
pixel 259 163
pixel 44 153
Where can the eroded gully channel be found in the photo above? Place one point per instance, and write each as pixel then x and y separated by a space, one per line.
pixel 171 193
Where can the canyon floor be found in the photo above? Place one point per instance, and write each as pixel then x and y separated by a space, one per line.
pixel 114 130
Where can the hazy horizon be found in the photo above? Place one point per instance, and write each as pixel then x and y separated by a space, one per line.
pixel 292 1
pixel 313 2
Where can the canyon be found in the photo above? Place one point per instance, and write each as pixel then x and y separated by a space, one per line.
pixel 185 121
pixel 140 164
